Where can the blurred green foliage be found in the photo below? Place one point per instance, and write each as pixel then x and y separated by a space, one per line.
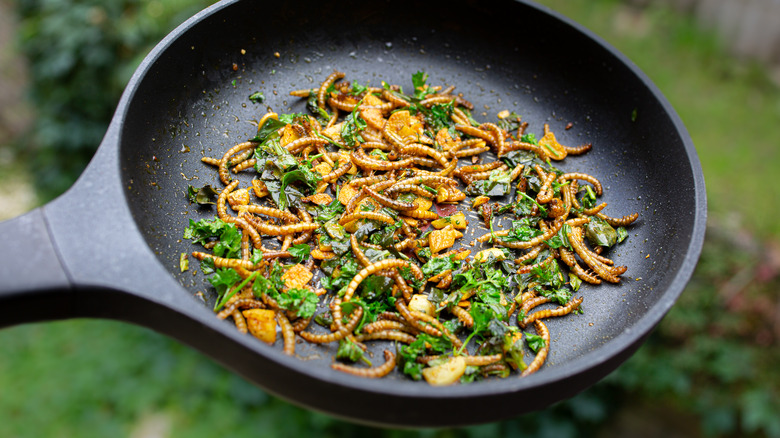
pixel 711 361
pixel 81 54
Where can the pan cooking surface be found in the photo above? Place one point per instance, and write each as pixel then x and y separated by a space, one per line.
pixel 193 103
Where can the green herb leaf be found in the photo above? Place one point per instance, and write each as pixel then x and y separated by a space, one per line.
pixel 202 196
pixel 300 252
pixel 535 342
pixel 257 97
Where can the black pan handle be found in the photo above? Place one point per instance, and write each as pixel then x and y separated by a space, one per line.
pixel 33 282
pixel 82 255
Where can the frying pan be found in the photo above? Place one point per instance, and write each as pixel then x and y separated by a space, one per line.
pixel 110 246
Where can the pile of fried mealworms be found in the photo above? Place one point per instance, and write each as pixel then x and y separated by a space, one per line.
pixel 339 215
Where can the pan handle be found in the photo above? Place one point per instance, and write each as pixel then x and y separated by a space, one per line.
pixel 33 283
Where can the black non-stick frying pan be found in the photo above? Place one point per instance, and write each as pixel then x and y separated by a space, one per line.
pixel 109 247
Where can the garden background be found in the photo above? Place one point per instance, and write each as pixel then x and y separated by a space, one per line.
pixel 709 369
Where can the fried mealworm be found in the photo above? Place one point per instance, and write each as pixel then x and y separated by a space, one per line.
pixel 300 324
pixel 575 267
pixel 541 355
pixel 421 214
pixel 272 212
pixel 242 303
pixel 531 303
pixel 389 202
pixel 414 322
pixel 498 136
pixel 461 313
pixel 528 268
pixel 424 317
pixel 582 176
pixel 224 172
pixel 333 77
pixel 381 325
pixel 341 103
pixel 338 172
pixel 578 150
pixel 553 230
pixel 287 333
pixel 276 230
pixel 345 330
pixel 371 373
pixel 388 335
pixel 240 321
pixel 572 305
pixel 619 222
pixel 370 215
pixel 479 168
pixel 222 202
pixel 360 159
pixel 470 152
pixel 603 271
pixel 480 361
pixel 370 269
pixel 421 149
pixel 221 262
pixel 595 210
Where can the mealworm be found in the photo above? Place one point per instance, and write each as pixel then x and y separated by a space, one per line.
pixel 333 77
pixel 338 172
pixel 287 333
pixel 344 103
pixel 595 210
pixel 421 149
pixel 461 313
pixel 221 262
pixel 480 361
pixel 407 314
pixel 244 165
pixel 470 152
pixel 360 159
pixel 528 268
pixel 582 176
pixel 382 325
pixel 372 373
pixel 370 269
pixel 480 167
pixel 224 173
pixel 271 212
pixel 296 146
pixel 257 241
pixel 370 215
pixel 572 305
pixel 300 324
pixel 388 335
pixel 411 188
pixel 556 226
pixel 390 202
pixel 421 214
pixel 275 230
pixel 222 202
pixel 240 321
pixel 578 150
pixel 619 222
pixel 338 335
pixel 541 355
pixel 243 303
pixel 603 271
